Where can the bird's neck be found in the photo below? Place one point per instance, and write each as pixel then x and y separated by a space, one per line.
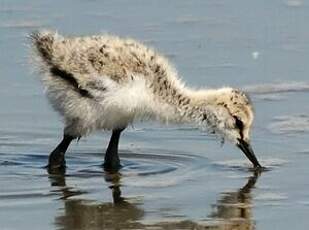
pixel 189 106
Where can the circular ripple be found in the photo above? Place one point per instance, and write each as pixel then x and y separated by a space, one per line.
pixel 143 167
pixel 160 169
pixel 245 165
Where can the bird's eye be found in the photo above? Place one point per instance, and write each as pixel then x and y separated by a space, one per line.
pixel 238 123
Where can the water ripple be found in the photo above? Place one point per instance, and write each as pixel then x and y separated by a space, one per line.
pixel 277 87
pixel 245 165
pixel 160 169
pixel 143 168
pixel 290 124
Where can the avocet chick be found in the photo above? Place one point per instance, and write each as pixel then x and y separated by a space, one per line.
pixel 106 83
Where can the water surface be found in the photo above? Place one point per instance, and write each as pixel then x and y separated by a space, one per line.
pixel 173 177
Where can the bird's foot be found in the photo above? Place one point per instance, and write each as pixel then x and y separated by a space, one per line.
pixel 112 167
pixel 56 169
pixel 259 169
pixel 56 163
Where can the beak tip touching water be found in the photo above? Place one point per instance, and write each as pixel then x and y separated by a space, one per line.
pixel 248 151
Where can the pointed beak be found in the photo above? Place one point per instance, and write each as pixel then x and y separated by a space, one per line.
pixel 248 151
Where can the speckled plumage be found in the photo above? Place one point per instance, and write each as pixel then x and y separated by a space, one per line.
pixel 106 82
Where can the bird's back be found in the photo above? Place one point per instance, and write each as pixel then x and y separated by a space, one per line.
pixel 105 56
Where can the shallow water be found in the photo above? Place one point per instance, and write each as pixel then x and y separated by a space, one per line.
pixel 173 177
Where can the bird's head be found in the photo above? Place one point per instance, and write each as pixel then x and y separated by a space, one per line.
pixel 229 112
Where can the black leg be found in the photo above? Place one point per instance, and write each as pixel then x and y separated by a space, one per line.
pixel 56 161
pixel 112 161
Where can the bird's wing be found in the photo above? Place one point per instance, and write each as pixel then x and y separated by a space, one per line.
pixel 89 61
pixel 104 56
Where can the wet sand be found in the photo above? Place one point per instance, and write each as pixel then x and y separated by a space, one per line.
pixel 174 177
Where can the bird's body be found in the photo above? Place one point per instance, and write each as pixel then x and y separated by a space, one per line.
pixel 105 82
pixel 117 81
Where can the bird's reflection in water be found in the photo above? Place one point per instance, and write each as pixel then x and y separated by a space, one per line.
pixel 233 210
pixel 82 214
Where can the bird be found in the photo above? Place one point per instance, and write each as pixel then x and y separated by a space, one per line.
pixel 106 82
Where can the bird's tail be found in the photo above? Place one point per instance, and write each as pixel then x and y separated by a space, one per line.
pixel 43 44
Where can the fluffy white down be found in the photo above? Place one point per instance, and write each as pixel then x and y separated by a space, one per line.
pixel 116 107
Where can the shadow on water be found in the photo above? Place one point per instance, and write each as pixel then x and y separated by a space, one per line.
pixel 233 210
